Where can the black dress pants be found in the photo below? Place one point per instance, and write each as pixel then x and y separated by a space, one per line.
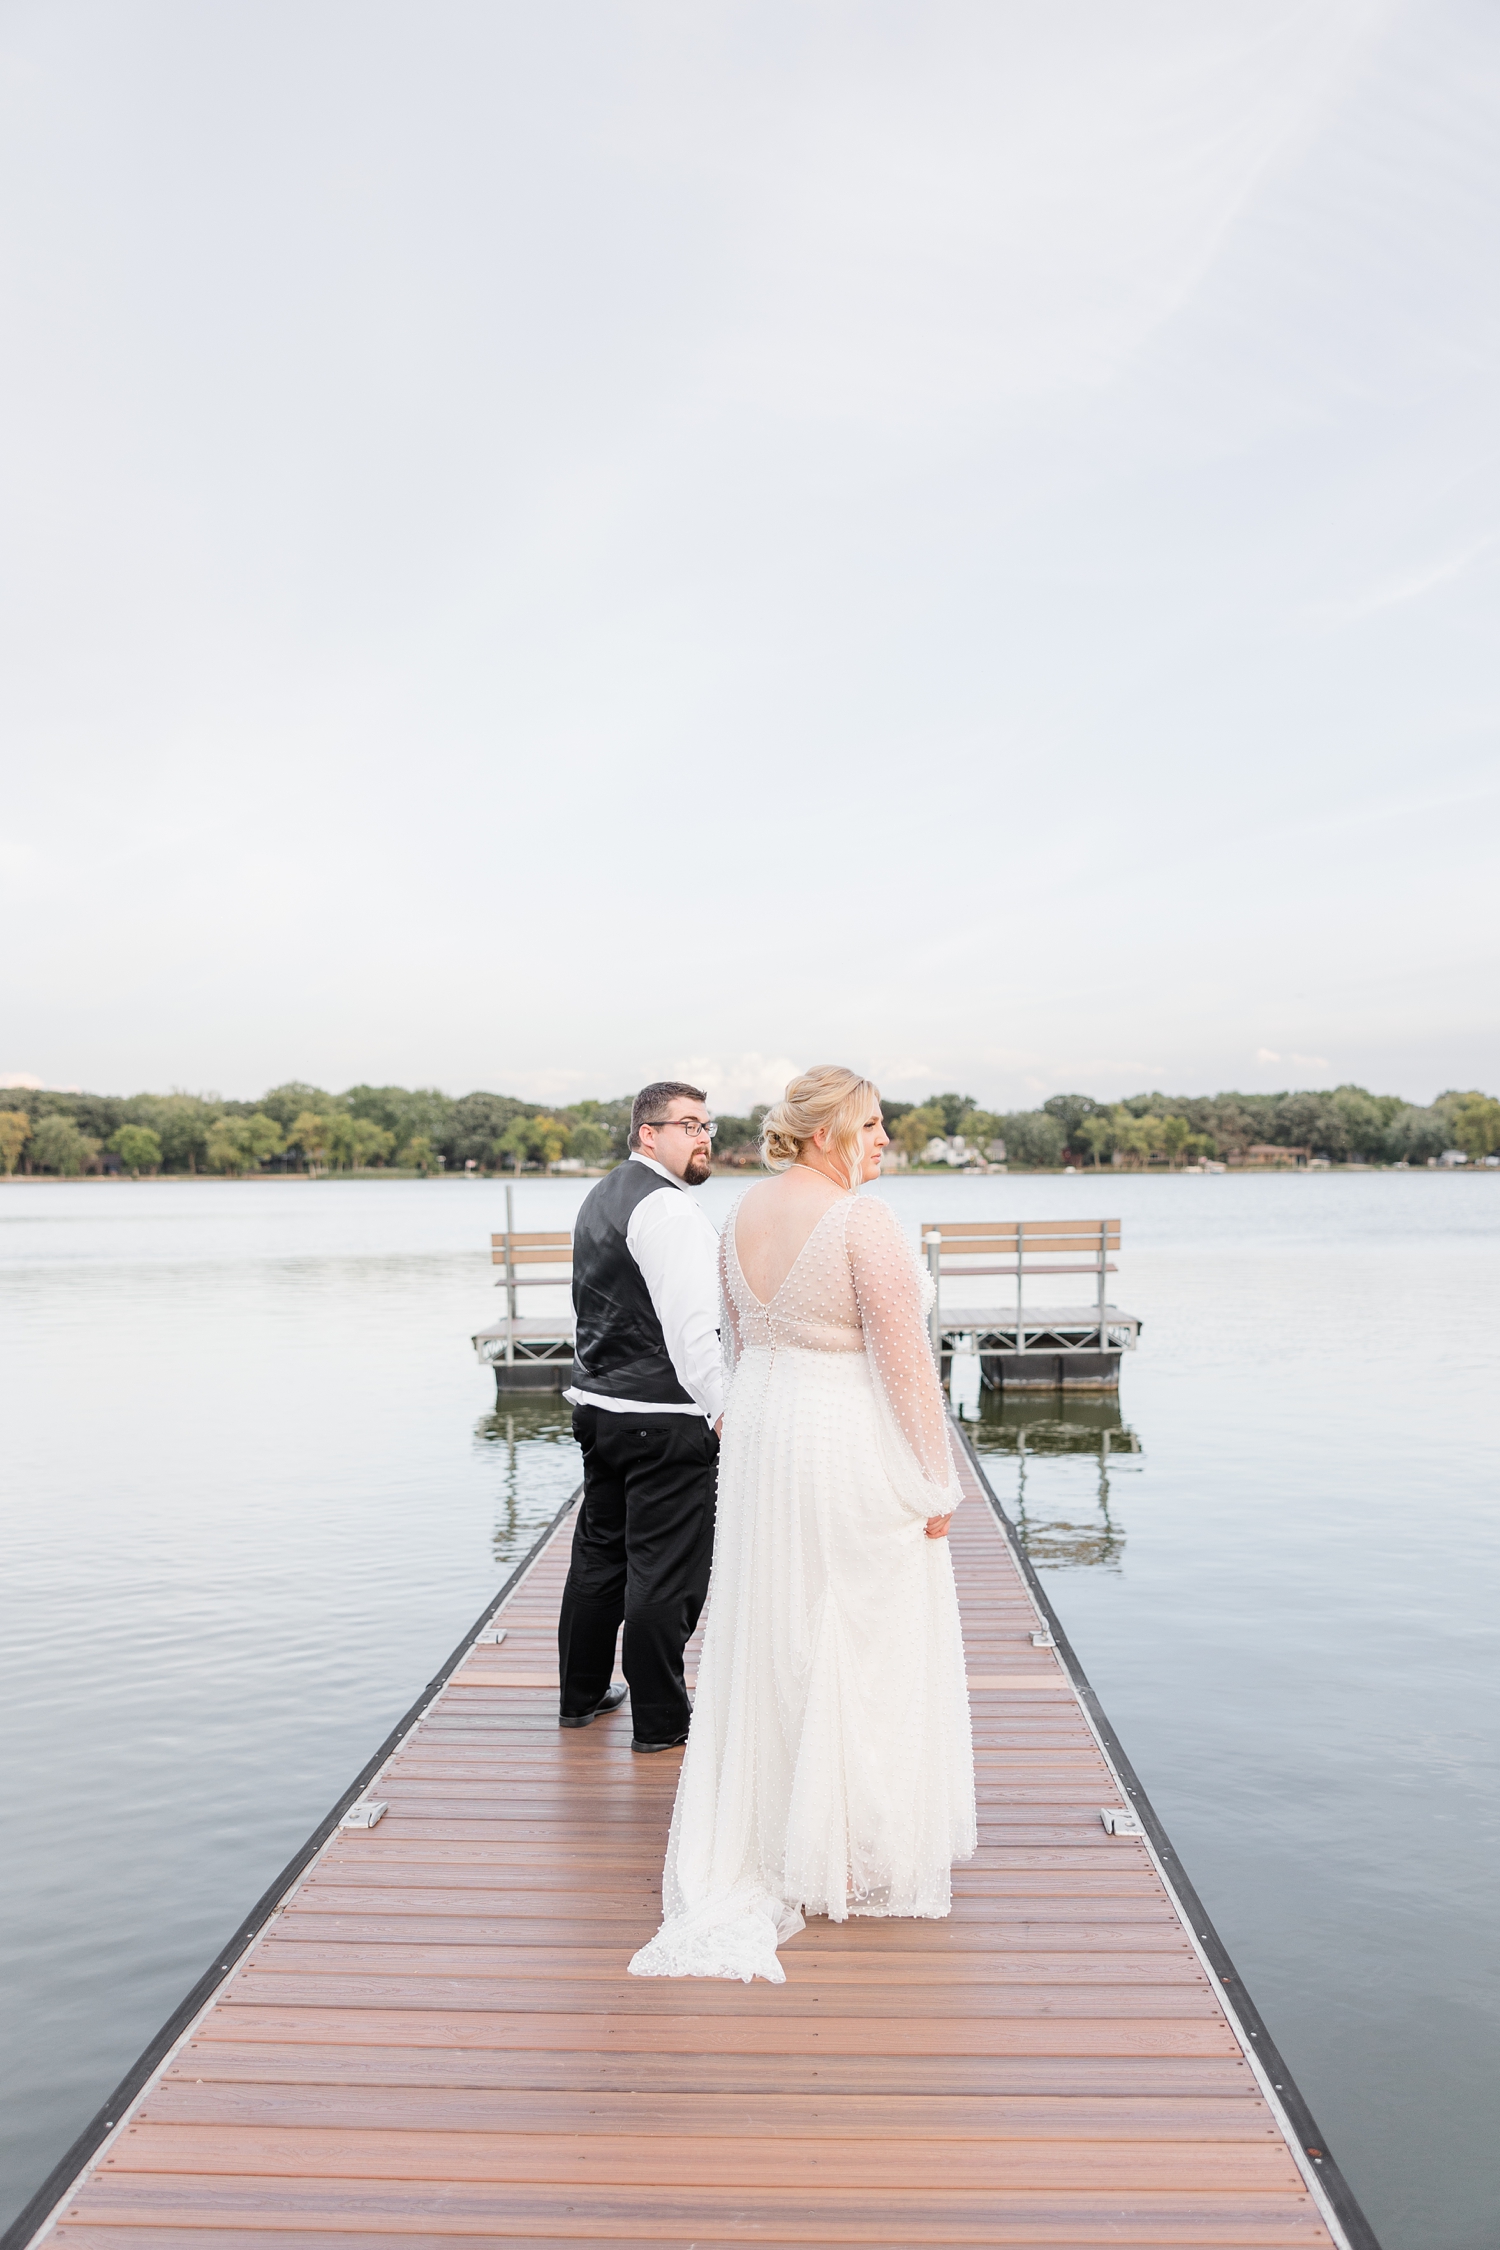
pixel 642 1546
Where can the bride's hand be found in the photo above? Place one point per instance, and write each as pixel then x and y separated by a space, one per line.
pixel 937 1526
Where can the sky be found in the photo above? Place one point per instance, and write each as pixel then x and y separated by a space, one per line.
pixel 549 547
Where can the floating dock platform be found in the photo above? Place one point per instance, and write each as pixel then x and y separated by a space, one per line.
pixel 530 1354
pixel 527 1355
pixel 425 2037
pixel 1041 1347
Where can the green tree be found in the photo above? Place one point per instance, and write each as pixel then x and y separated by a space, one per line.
pixel 263 1137
pixel 550 1139
pixel 614 1117
pixel 1312 1121
pixel 293 1100
pixel 372 1143
pixel 309 1132
pixel 1176 1132
pixel 225 1153
pixel 58 1146
pixel 1070 1110
pixel 138 1149
pixel 1033 1140
pixel 179 1121
pixel 916 1129
pixel 979 1127
pixel 540 1140
pixel 339 1141
pixel 1364 1118
pixel 15 1132
pixel 734 1132
pixel 590 1143
pixel 406 1113
pixel 95 1115
pixel 1133 1135
pixel 1417 1133
pixel 953 1108
pixel 1097 1132
pixel 514 1144
pixel 242 1144
pixel 1476 1126
pixel 417 1156
pixel 476 1123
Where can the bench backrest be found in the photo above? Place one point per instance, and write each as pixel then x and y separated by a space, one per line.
pixel 1027 1243
pixel 510 1250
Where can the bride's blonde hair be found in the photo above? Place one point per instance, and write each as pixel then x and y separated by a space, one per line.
pixel 831 1096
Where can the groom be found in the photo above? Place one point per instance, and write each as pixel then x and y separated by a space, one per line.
pixel 647 1397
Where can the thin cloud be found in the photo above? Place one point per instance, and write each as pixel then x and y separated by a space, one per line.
pixel 735 1084
pixel 1409 589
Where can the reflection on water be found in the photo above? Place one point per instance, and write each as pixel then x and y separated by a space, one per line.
pixel 1050 1437
pixel 515 1432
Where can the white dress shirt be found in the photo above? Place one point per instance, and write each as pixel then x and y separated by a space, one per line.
pixel 677 1249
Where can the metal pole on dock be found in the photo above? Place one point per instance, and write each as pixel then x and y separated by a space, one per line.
pixel 1103 1269
pixel 510 1272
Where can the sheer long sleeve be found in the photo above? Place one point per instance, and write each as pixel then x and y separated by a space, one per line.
pixel 888 1288
pixel 730 1341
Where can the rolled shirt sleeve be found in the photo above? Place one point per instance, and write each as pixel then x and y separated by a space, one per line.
pixel 676 1249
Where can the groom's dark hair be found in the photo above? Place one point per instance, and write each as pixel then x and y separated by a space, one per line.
pixel 649 1103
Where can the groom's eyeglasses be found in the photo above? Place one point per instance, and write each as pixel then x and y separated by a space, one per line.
pixel 696 1128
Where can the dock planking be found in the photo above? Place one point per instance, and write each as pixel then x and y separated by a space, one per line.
pixel 434 2040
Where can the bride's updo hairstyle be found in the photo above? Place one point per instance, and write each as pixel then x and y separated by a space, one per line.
pixel 831 1096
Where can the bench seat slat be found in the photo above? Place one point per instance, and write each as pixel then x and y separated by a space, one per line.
pixel 960 1250
pixel 1007 1227
pixel 958 1273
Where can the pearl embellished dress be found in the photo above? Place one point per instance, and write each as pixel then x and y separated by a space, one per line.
pixel 829 1768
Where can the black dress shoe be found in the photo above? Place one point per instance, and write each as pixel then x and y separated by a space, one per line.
pixel 676 1743
pixel 612 1702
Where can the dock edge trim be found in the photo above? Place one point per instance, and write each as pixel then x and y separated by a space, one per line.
pixel 1325 2180
pixel 36 2215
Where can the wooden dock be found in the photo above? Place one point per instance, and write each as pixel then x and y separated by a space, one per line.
pixel 432 2040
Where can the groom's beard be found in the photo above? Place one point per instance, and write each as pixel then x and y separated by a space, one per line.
pixel 700 1167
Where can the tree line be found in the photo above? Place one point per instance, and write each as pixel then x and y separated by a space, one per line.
pixel 1348 1125
pixel 302 1128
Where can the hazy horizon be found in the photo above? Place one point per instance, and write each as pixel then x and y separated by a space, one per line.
pixel 548 549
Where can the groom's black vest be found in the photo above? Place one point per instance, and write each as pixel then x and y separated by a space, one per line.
pixel 619 1350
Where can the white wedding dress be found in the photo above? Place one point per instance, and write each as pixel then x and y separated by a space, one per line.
pixel 829 1768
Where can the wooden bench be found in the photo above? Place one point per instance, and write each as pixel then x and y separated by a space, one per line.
pixel 515 1345
pixel 516 1250
pixel 1027 1250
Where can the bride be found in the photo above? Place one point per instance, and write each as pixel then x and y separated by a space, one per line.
pixel 829 1768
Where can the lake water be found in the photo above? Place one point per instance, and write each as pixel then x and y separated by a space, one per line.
pixel 255 1488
